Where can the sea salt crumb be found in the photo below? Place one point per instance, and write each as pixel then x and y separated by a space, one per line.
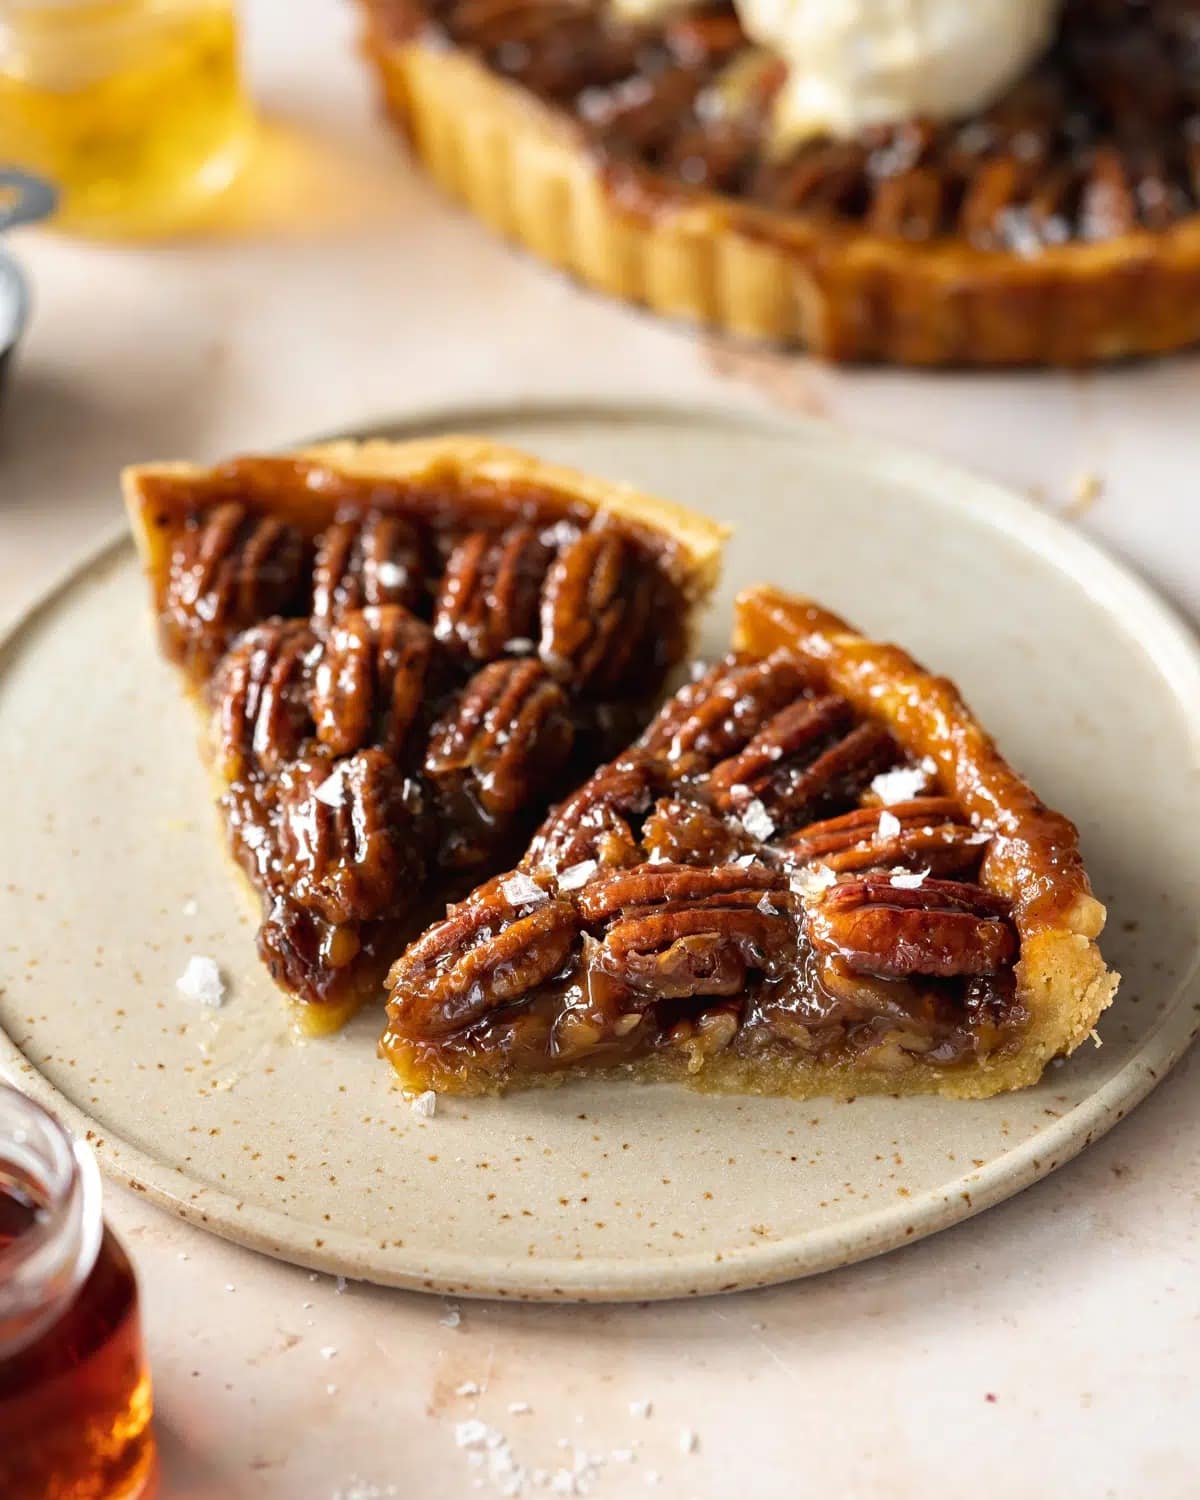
pixel 328 1351
pixel 756 820
pixel 520 890
pixel 908 880
pixel 519 1408
pixel 201 981
pixel 471 1434
pixel 657 856
pixel 766 908
pixel 424 1105
pixel 688 1441
pixel 640 1408
pixel 332 791
pixel 889 825
pixel 519 645
pixel 190 908
pixel 452 1318
pixel 391 575
pixel 339 1285
pixel 900 785
pixel 467 1388
pixel 229 1287
pixel 576 875
pixel 812 880
pixel 744 860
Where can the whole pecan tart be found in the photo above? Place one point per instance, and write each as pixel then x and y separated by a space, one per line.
pixel 812 873
pixel 1060 224
pixel 404 652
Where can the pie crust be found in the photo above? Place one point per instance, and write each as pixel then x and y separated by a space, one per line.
pixel 402 652
pixel 736 902
pixel 839 289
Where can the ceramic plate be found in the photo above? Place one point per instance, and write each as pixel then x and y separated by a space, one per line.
pixel 114 874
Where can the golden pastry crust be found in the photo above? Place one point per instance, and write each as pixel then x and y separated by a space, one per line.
pixel 309 488
pixel 843 292
pixel 1035 862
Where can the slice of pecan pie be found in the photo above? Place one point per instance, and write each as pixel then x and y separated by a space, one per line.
pixel 404 652
pixel 631 144
pixel 813 873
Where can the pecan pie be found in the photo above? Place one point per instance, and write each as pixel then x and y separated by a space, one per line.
pixel 1061 224
pixel 404 652
pixel 813 873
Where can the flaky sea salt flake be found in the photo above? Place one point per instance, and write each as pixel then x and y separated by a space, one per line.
pixel 889 825
pixel 521 890
pixel 908 880
pixel 201 981
pixel 578 875
pixel 756 820
pixel 424 1106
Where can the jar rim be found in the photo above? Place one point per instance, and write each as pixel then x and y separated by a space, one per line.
pixel 44 1267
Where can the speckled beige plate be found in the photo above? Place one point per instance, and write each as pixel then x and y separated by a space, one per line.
pixel 114 875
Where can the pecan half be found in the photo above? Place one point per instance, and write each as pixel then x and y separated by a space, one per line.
pixel 366 558
pixel 932 835
pixel 370 681
pixel 486 953
pixel 682 931
pixel 597 821
pixel 598 600
pixel 804 760
pixel 941 927
pixel 488 600
pixel 715 716
pixel 230 568
pixel 260 696
pixel 342 850
pixel 509 733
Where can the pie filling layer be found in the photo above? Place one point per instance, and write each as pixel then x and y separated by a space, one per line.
pixel 763 879
pixel 1101 139
pixel 397 694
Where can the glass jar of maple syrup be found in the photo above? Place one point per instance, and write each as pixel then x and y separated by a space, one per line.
pixel 74 1389
pixel 133 109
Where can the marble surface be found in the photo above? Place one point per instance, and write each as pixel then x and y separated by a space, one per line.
pixel 1049 1346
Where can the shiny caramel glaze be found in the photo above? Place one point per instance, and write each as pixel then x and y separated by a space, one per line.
pixel 399 674
pixel 1101 139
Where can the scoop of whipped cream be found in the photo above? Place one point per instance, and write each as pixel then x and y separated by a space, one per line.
pixel 854 63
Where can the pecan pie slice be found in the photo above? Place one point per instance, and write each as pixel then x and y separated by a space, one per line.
pixel 631 145
pixel 404 653
pixel 813 873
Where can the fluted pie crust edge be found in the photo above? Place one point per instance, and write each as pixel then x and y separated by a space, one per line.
pixel 1034 861
pixel 843 293
pixel 692 557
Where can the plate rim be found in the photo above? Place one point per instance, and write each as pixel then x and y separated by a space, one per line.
pixel 1172 648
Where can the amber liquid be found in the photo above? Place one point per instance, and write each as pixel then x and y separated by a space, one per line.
pixel 75 1403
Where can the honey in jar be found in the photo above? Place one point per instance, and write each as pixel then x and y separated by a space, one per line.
pixel 74 1389
pixel 133 108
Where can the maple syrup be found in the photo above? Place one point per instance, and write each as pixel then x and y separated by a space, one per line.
pixel 74 1389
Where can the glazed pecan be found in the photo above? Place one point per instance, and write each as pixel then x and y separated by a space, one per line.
pixel 260 698
pixel 681 931
pixel 366 558
pixel 940 927
pixel 490 951
pixel 932 834
pixel 371 679
pixel 597 822
pixel 597 603
pixel 342 835
pixel 230 568
pixel 790 738
pixel 718 714
pixel 509 733
pixel 488 600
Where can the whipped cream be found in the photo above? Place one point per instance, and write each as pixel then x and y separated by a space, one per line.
pixel 855 63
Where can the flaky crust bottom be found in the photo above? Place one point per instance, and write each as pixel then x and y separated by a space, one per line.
pixel 844 294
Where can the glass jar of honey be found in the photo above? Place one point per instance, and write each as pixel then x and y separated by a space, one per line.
pixel 133 108
pixel 74 1389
